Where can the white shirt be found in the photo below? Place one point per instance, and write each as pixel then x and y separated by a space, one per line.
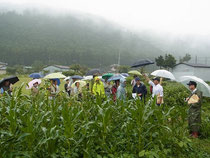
pixel 157 89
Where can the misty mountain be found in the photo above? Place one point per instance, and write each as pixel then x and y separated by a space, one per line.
pixel 28 37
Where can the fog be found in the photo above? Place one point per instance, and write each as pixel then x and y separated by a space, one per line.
pixel 174 26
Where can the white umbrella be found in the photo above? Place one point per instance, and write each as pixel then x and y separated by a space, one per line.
pixel 30 84
pixel 164 74
pixel 67 78
pixel 201 85
pixel 82 83
pixel 85 78
pixel 54 75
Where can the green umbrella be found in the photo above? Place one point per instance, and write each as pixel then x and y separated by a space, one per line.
pixel 135 72
pixel 108 75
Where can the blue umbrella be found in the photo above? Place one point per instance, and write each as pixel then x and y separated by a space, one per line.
pixel 35 75
pixel 115 77
pixel 77 77
pixel 125 74
pixel 58 81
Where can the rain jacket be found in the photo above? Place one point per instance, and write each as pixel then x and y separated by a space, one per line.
pixel 98 88
pixel 194 113
pixel 121 92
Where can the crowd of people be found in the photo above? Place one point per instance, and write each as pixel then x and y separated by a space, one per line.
pixel 117 91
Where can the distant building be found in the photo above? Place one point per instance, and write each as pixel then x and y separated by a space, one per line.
pixel 186 69
pixel 3 68
pixel 56 68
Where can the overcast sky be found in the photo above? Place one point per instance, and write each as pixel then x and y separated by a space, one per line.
pixel 174 16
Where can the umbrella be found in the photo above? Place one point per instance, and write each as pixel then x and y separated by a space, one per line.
pixel 201 85
pixel 58 81
pixel 164 74
pixel 35 75
pixel 107 75
pixel 125 74
pixel 12 80
pixel 54 75
pixel 76 77
pixel 82 83
pixel 30 84
pixel 67 78
pixel 115 77
pixel 135 72
pixel 93 72
pixel 142 62
pixel 85 78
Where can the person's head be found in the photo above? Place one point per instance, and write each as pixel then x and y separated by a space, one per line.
pixel 6 83
pixel 35 84
pixel 138 81
pixel 97 80
pixel 77 84
pixel 134 76
pixel 67 81
pixel 122 82
pixel 156 80
pixel 192 85
pixel 117 83
pixel 87 85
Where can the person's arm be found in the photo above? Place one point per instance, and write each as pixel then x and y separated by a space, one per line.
pixel 148 80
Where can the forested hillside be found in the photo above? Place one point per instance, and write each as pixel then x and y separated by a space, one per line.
pixel 26 38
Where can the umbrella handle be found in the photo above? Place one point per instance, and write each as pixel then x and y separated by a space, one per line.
pixel 161 81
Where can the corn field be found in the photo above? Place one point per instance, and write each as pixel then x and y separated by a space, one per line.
pixel 39 127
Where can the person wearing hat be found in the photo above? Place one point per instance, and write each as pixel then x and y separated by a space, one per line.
pixel 139 89
pixel 98 88
pixel 157 89
pixel 194 113
pixel 121 92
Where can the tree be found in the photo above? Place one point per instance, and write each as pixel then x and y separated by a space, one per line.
pixel 170 61
pixel 160 61
pixel 123 69
pixel 186 58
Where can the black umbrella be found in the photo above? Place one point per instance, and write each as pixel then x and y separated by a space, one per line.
pixel 12 80
pixel 93 72
pixel 142 62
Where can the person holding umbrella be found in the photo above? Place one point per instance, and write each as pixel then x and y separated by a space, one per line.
pixel 54 89
pixel 139 89
pixel 67 87
pixel 33 85
pixel 157 89
pixel 6 84
pixel 133 82
pixel 98 88
pixel 114 89
pixel 121 92
pixel 194 113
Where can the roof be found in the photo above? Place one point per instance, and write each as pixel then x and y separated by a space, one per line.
pixel 60 66
pixel 3 67
pixel 1 63
pixel 194 65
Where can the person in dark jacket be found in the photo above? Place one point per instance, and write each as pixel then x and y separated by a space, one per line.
pixel 67 87
pixel 139 89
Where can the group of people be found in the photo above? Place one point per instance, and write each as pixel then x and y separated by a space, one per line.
pixel 117 91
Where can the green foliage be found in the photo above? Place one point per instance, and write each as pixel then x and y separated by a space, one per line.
pixel 186 58
pixel 123 69
pixel 168 62
pixel 39 127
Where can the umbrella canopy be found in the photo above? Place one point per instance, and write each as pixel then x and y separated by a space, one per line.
pixel 30 84
pixel 142 62
pixel 12 80
pixel 115 77
pixel 201 85
pixel 135 72
pixel 58 81
pixel 67 78
pixel 54 75
pixel 107 75
pixel 164 74
pixel 86 78
pixel 76 77
pixel 82 83
pixel 125 74
pixel 35 75
pixel 93 72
